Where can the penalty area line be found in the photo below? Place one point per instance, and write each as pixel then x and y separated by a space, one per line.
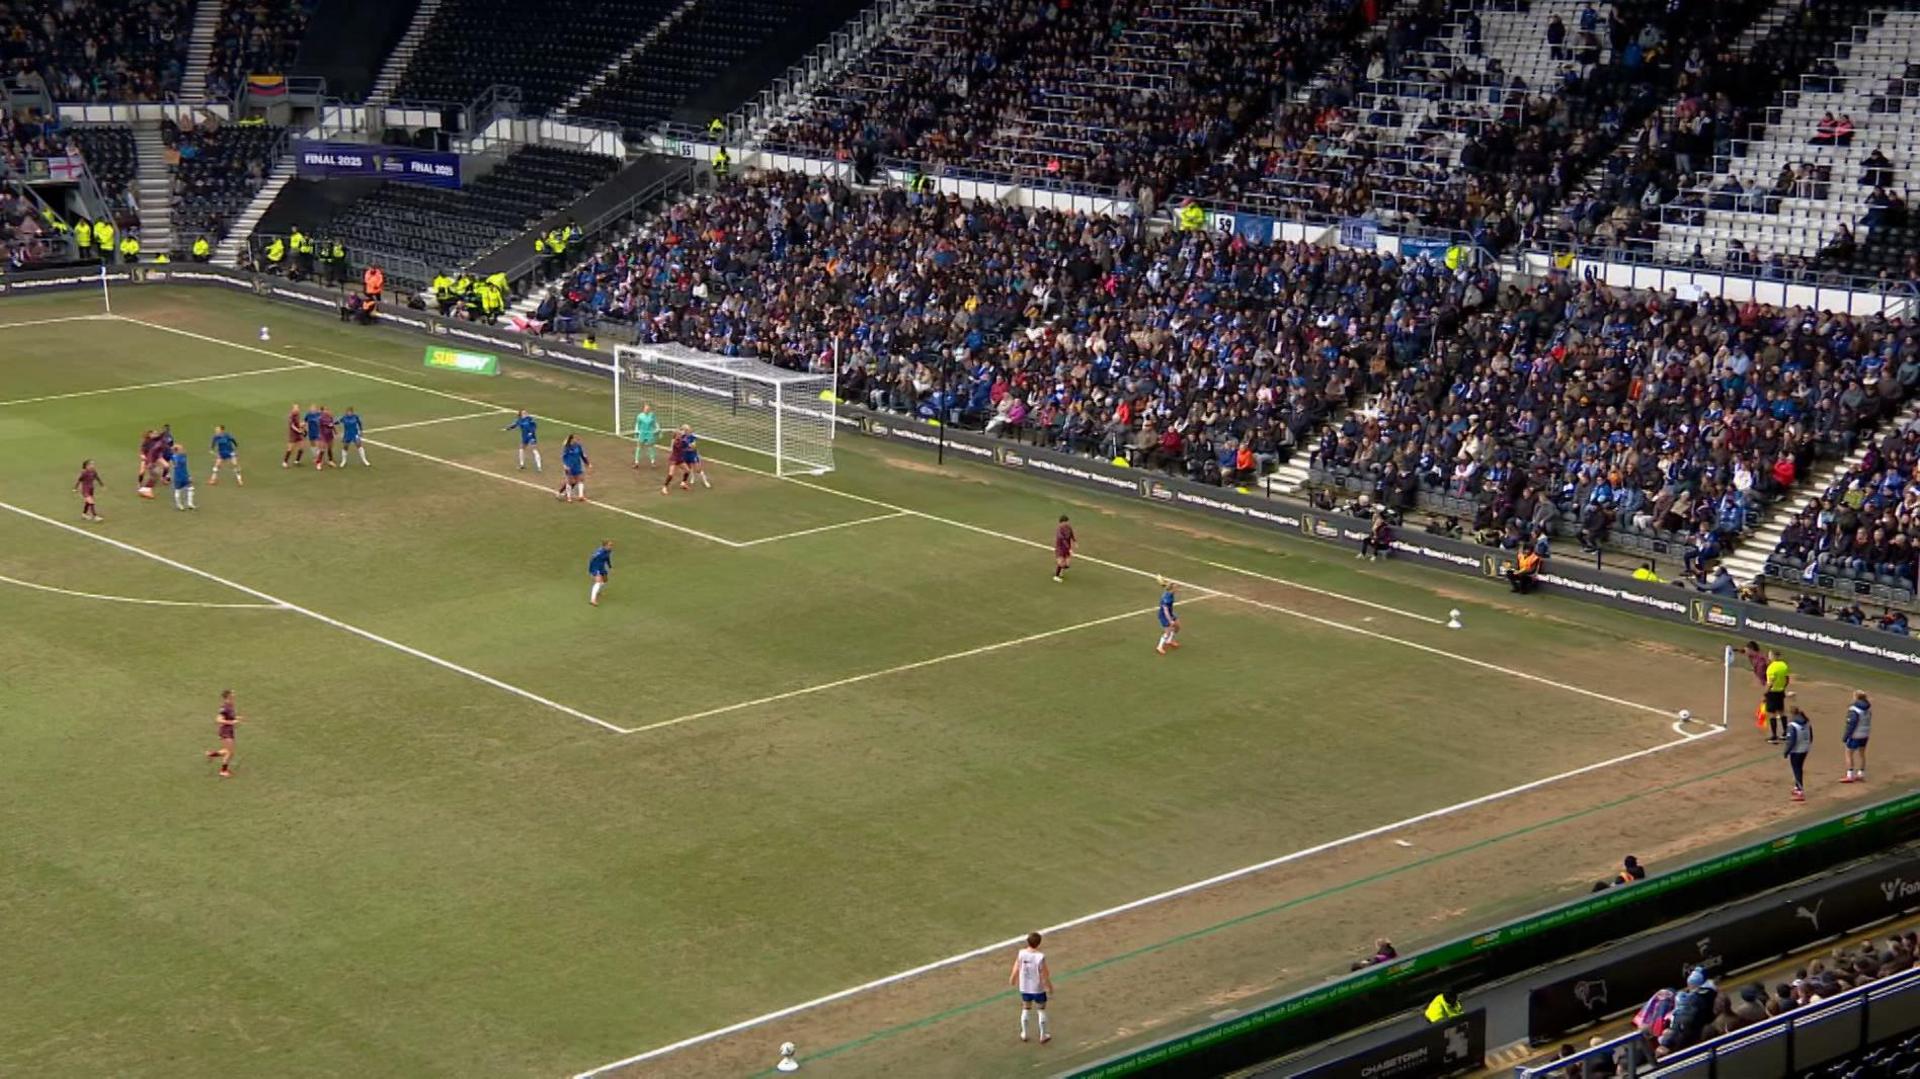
pixel 824 528
pixel 37 587
pixel 900 669
pixel 153 385
pixel 276 601
pixel 1137 904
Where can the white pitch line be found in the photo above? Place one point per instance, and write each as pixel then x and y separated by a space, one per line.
pixel 381 430
pixel 1136 904
pixel 52 321
pixel 901 669
pixel 437 393
pixel 147 602
pixel 502 477
pixel 153 385
pixel 822 528
pixel 1329 594
pixel 318 617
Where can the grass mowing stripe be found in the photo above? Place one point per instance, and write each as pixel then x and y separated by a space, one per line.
pixel 1297 901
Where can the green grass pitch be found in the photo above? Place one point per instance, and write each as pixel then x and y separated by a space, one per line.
pixel 868 731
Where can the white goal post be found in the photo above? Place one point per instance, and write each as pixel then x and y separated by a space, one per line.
pixel 743 403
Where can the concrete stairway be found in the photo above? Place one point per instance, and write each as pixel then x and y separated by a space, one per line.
pixel 234 244
pixel 206 23
pixel 403 51
pixel 153 189
pixel 1750 560
pixel 1291 477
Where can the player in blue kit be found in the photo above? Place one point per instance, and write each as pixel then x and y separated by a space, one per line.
pixel 694 465
pixel 529 429
pixel 350 438
pixel 598 567
pixel 312 419
pixel 182 482
pixel 573 461
pixel 226 451
pixel 1169 622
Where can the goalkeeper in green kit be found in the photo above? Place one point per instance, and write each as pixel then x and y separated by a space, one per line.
pixel 646 431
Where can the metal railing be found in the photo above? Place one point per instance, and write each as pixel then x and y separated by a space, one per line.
pixel 1786 1045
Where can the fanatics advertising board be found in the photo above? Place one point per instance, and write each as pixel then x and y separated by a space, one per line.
pixel 316 160
pixel 1434 1051
pixel 1774 626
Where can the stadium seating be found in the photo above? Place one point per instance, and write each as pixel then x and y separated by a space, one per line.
pixel 256 37
pixel 1862 531
pixel 113 161
pixel 1124 93
pixel 98 50
pixel 549 53
pixel 447 229
pixel 220 168
pixel 699 46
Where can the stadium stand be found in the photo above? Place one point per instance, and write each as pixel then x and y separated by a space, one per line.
pixel 1126 93
pixel 220 167
pixel 255 37
pixel 98 50
pixel 1863 530
pixel 697 47
pixel 473 44
pixel 110 155
pixel 1175 350
pixel 447 229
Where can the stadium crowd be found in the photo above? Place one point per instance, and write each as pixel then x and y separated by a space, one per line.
pixel 134 50
pixel 1866 524
pixel 1192 352
pixel 1674 1019
pixel 255 37
pixel 1571 399
pixel 989 99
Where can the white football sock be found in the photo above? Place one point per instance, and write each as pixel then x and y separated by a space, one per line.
pixel 536 461
pixel 1023 1022
pixel 363 457
pixel 176 500
pixel 189 498
pixel 1042 1013
pixel 704 481
pixel 597 586
pixel 523 458
pixel 580 490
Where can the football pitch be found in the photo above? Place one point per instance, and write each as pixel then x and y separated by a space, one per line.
pixel 820 731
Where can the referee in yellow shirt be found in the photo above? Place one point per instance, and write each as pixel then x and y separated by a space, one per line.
pixel 1777 677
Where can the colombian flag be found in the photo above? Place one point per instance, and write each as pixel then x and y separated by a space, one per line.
pixel 267 85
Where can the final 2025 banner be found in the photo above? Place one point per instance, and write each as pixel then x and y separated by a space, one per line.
pixel 317 160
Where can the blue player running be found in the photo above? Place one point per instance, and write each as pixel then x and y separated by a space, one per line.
pixel 598 567
pixel 182 482
pixel 1169 622
pixel 226 451
pixel 529 429
pixel 573 461
pixel 350 424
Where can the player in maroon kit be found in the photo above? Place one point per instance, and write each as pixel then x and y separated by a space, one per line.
pixel 296 438
pixel 1063 541
pixel 677 460
pixel 225 720
pixel 156 449
pixel 89 479
pixel 326 439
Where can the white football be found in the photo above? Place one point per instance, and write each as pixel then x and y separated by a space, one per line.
pixel 1685 715
pixel 787 1049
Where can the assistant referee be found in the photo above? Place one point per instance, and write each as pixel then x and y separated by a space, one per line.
pixel 1777 677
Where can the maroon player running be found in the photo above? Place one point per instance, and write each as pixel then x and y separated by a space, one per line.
pixel 228 716
pixel 89 479
pixel 1063 541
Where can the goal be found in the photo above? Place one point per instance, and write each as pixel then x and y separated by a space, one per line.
pixel 743 403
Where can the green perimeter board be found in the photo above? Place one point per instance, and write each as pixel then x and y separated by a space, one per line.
pixel 416 873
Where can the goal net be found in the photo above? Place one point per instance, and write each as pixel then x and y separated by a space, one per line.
pixel 746 404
